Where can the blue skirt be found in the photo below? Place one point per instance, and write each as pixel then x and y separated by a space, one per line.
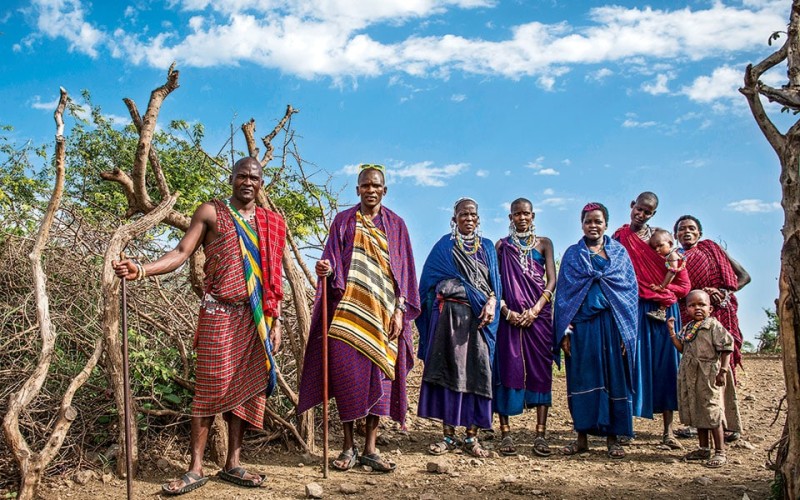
pixel 508 401
pixel 655 382
pixel 598 384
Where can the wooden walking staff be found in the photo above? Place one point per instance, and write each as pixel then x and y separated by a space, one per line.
pixel 126 382
pixel 325 377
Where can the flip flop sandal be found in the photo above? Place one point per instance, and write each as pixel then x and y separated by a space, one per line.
pixel 377 463
pixel 686 433
pixel 191 482
pixel 717 461
pixel 731 436
pixel 624 440
pixel 446 445
pixel 698 454
pixel 670 441
pixel 541 448
pixel 348 458
pixel 474 448
pixel 573 449
pixel 616 452
pixel 507 446
pixel 236 476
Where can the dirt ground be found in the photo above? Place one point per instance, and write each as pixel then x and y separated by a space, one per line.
pixel 648 471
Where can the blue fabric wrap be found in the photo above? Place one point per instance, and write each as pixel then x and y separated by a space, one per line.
pixel 440 266
pixel 617 281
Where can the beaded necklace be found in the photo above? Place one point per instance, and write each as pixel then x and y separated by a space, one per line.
pixel 691 330
pixel 645 233
pixel 524 248
pixel 468 244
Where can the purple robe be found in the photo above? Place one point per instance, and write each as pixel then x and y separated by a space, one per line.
pixel 456 382
pixel 524 356
pixel 359 386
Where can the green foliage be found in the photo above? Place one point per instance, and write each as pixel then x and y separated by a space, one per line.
pixel 748 347
pixel 769 341
pixel 21 190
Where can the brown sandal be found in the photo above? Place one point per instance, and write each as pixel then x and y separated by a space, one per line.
pixel 474 448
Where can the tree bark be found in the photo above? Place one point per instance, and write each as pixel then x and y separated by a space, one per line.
pixel 787 148
pixel 33 464
pixel 111 314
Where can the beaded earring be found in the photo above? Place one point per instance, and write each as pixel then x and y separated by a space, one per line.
pixel 453 229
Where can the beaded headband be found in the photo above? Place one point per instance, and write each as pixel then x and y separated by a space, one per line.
pixel 372 166
pixel 592 206
pixel 462 200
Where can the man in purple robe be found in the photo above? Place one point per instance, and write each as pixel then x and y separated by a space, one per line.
pixel 524 352
pixel 372 301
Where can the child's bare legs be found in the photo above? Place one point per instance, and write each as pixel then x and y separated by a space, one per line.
pixel 668 437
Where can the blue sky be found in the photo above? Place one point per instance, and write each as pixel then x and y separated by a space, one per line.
pixel 561 102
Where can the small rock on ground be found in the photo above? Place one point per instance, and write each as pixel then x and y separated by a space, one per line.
pixel 703 480
pixel 509 479
pixel 314 490
pixel 348 489
pixel 438 467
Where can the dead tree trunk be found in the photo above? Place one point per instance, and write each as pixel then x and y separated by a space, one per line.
pixel 31 463
pixel 787 147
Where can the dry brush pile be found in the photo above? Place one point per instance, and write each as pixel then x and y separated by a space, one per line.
pixel 82 299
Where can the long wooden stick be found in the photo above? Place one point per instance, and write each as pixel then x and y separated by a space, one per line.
pixel 325 377
pixel 126 382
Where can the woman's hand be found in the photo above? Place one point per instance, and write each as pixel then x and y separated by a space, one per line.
pixel 487 313
pixel 716 294
pixel 566 346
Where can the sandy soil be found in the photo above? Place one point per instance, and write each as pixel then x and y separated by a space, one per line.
pixel 648 471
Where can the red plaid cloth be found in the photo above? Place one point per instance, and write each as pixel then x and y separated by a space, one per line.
pixel 708 266
pixel 230 372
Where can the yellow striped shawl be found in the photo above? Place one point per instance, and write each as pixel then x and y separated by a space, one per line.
pixel 364 314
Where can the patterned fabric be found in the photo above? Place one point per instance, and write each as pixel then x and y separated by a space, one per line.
pixel 230 372
pixel 617 282
pixel 457 381
pixel 702 404
pixel 524 356
pixel 251 261
pixel 655 379
pixel 359 386
pixel 650 269
pixel 439 266
pixel 363 316
pixel 598 381
pixel 708 266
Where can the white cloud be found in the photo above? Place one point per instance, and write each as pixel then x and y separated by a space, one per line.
pixel 599 75
pixel 424 174
pixel 753 206
pixel 723 83
pixel 696 163
pixel 631 121
pixel 36 103
pixel 548 192
pixel 538 166
pixel 331 38
pixel 555 202
pixel 659 86
pixel 482 173
pixel 65 19
pixel 458 97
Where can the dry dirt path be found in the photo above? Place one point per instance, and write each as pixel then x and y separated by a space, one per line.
pixel 647 472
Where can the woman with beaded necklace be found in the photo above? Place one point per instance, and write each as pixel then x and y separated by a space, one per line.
pixel 596 321
pixel 459 290
pixel 524 359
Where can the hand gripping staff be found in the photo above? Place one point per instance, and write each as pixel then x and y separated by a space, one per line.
pixel 126 390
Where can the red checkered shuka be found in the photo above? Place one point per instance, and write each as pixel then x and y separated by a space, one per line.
pixel 230 372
